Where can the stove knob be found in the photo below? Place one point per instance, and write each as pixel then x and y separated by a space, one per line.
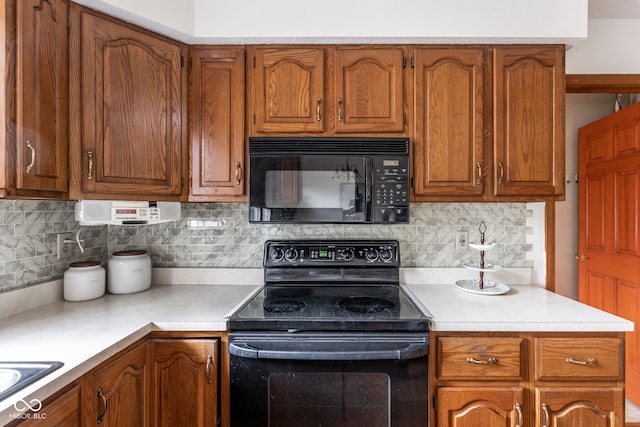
pixel 347 254
pixel 371 254
pixel 277 254
pixel 290 254
pixel 386 255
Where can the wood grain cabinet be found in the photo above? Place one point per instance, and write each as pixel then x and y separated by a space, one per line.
pixel 116 392
pixel 528 114
pixel 34 92
pixel 449 112
pixel 577 381
pixel 128 100
pixel 327 90
pixel 508 379
pixel 61 410
pixel 185 382
pixel 369 86
pixel 217 82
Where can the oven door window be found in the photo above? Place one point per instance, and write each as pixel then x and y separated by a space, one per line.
pixel 329 399
pixel 309 189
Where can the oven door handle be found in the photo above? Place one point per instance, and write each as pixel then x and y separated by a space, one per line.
pixel 402 352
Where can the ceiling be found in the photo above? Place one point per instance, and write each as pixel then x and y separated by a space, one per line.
pixel 614 9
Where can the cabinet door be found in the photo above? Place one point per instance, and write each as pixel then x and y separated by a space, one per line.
pixel 288 87
pixel 571 407
pixel 118 393
pixel 42 93
pixel 529 121
pixel 61 411
pixel 369 90
pixel 217 124
pixel 449 111
pixel 131 108
pixel 185 382
pixel 479 406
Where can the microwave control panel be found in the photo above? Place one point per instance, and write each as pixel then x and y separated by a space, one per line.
pixel 390 189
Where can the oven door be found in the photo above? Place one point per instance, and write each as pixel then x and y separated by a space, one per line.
pixel 310 188
pixel 326 379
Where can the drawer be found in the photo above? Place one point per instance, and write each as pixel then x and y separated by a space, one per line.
pixel 480 358
pixel 579 358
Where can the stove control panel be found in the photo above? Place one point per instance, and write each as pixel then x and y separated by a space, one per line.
pixel 331 253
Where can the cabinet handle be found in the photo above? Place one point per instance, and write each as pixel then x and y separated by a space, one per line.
pixel 238 173
pixel 208 368
pixel 318 110
pixel 489 361
pixel 33 157
pixel 105 405
pixel 545 409
pixel 90 157
pixel 501 167
pixel 590 361
pixel 519 410
pixel 479 179
pixel 340 102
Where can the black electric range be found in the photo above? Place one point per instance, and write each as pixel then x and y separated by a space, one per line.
pixel 331 285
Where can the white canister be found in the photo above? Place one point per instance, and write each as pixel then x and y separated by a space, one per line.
pixel 128 272
pixel 83 281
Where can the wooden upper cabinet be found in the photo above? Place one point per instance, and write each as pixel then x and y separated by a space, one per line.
pixel 288 86
pixel 36 84
pixel 217 124
pixel 448 113
pixel 369 89
pixel 529 121
pixel 130 106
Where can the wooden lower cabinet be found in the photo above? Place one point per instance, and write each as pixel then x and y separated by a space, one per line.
pixel 117 391
pixel 479 406
pixel 184 382
pixel 61 410
pixel 527 379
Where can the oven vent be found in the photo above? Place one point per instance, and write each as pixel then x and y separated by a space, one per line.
pixel 328 146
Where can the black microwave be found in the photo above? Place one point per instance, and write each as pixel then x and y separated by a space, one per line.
pixel 328 180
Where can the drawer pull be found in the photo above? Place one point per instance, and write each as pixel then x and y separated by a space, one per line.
pixel 519 410
pixel 590 361
pixel 489 361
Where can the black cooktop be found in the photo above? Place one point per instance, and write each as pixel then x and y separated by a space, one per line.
pixel 330 308
pixel 331 285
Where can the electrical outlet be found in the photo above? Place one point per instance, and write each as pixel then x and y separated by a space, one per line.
pixel 462 240
pixel 64 248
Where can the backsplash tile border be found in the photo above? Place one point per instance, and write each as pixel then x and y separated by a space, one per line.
pixel 29 227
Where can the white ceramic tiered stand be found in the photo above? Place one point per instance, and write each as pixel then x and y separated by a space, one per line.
pixel 482 286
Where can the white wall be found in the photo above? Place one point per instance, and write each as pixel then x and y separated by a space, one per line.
pixel 611 48
pixel 363 21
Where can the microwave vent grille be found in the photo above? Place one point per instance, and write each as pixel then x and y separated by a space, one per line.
pixel 328 146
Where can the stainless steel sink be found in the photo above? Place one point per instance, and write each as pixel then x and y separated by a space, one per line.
pixel 15 376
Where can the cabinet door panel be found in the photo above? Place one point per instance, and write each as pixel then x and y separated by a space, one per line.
pixel 120 391
pixel 369 88
pixel 449 88
pixel 529 121
pixel 185 375
pixel 42 91
pixel 570 407
pixel 131 107
pixel 288 90
pixel 217 123
pixel 479 406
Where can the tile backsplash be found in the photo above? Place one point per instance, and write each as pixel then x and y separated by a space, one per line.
pixel 29 229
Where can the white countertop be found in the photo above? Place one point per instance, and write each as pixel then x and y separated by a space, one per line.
pixel 84 334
